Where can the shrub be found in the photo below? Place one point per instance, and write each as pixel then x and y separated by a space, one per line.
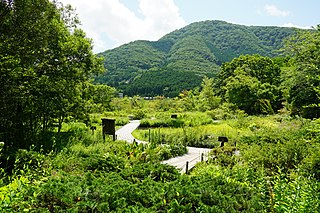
pixel 286 156
pixel 224 156
pixel 297 194
pixel 311 164
pixel 139 114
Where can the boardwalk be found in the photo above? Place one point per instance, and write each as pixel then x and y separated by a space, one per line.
pixel 193 156
pixel 125 132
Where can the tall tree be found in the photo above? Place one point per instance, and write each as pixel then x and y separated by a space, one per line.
pixel 304 83
pixel 45 61
pixel 207 95
pixel 252 82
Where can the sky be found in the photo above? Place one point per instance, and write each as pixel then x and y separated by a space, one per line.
pixel 111 23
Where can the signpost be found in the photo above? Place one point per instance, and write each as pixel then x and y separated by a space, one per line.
pixel 108 128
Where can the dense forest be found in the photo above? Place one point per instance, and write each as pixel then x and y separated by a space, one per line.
pixel 192 52
pixel 53 160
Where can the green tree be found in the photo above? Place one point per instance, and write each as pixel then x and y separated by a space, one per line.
pixel 45 61
pixel 304 83
pixel 252 82
pixel 102 95
pixel 207 96
pixel 241 90
pixel 189 99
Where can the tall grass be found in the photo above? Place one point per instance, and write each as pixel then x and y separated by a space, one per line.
pixel 199 136
pixel 182 120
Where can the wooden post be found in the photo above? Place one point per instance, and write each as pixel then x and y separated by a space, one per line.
pixel 202 154
pixel 187 167
pixel 93 128
pixel 222 140
pixel 174 116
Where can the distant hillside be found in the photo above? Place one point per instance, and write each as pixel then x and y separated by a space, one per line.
pixel 180 59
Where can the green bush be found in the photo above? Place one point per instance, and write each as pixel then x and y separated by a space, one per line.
pixel 224 156
pixel 157 172
pixel 287 156
pixel 310 166
pixel 297 194
pixel 139 114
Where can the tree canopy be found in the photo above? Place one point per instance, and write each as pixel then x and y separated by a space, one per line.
pixel 45 62
pixel 303 83
pixel 252 82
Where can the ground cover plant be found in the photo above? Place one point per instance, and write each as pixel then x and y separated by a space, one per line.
pixel 277 171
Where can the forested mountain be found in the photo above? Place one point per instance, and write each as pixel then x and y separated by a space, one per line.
pixel 180 59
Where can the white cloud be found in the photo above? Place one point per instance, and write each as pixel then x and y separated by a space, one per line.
pixel 163 15
pixel 112 19
pixel 296 26
pixel 273 10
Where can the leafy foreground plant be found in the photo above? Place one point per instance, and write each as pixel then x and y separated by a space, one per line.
pixel 117 192
pixel 109 177
pixel 89 175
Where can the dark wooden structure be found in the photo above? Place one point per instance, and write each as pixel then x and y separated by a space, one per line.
pixel 174 116
pixel 93 128
pixel 222 140
pixel 108 127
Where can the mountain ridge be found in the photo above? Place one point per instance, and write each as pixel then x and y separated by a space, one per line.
pixel 165 67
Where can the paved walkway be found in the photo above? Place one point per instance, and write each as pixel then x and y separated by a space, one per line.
pixel 125 132
pixel 192 157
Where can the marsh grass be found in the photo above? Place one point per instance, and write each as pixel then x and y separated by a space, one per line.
pixel 186 119
pixel 199 136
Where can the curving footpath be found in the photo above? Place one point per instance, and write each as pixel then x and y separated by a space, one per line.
pixel 124 133
pixel 192 157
